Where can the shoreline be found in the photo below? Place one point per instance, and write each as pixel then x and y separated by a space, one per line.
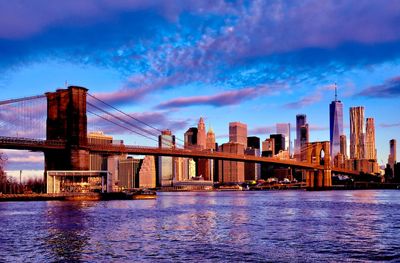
pixel 118 196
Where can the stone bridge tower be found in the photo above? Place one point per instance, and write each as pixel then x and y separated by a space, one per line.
pixel 319 153
pixel 67 121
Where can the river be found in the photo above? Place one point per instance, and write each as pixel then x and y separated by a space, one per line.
pixel 272 226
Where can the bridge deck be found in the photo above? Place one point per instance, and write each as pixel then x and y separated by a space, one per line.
pixel 48 145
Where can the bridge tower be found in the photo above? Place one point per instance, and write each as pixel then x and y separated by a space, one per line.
pixel 67 121
pixel 319 153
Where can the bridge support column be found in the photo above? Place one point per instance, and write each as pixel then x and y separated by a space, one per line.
pixel 67 121
pixel 319 153
pixel 309 179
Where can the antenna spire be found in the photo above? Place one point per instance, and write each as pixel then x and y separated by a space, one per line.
pixel 335 92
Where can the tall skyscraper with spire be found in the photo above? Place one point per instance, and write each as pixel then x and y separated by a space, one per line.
pixel 201 134
pixel 336 124
pixel 357 132
pixel 370 149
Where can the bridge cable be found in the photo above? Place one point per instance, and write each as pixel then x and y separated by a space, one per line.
pixel 136 119
pixel 121 125
pixel 120 119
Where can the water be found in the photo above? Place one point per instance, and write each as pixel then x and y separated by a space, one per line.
pixel 276 226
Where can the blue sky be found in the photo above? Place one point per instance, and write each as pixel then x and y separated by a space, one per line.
pixel 170 62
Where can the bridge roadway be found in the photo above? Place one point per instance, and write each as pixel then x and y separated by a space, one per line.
pixel 49 145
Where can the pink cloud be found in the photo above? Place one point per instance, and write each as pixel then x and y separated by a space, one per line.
pixel 219 100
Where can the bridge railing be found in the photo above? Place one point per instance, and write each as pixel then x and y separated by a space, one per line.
pixel 24 141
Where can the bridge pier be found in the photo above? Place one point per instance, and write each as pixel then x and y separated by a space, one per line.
pixel 67 121
pixel 319 153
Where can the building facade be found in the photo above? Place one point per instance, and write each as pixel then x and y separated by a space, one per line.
pixel 357 132
pixel 335 125
pixel 201 134
pixel 128 173
pixel 284 129
pixel 370 148
pixel 238 133
pixel 343 145
pixel 392 154
pixel 231 171
pixel 301 120
pixel 166 168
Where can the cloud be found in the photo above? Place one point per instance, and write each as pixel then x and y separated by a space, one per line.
pixel 219 100
pixel 389 89
pixel 318 128
pixel 389 125
pixel 262 130
pixel 22 160
pixel 312 98
pixel 173 44
pixel 305 101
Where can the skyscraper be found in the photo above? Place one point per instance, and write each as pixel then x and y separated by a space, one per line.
pixel 284 129
pixel 210 144
pixel 343 145
pixel 238 133
pixel 357 132
pixel 201 134
pixel 370 150
pixel 301 133
pixel 190 137
pixel 166 164
pixel 252 171
pixel 231 171
pixel 336 125
pixel 253 142
pixel 279 142
pixel 392 154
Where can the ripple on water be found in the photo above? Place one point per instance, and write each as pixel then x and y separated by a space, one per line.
pixel 279 226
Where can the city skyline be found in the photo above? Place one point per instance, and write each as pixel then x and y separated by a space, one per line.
pixel 225 61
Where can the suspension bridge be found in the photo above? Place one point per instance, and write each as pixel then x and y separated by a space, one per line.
pixel 56 124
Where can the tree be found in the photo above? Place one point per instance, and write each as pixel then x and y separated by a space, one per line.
pixel 3 178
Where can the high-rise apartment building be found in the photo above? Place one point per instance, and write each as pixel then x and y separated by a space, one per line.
pixel 370 149
pixel 238 133
pixel 392 154
pixel 336 125
pixel 284 129
pixel 357 132
pixel 166 171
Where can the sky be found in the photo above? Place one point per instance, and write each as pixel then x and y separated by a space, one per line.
pixel 170 62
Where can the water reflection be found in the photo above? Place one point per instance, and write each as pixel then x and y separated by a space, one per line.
pixel 67 230
pixel 280 226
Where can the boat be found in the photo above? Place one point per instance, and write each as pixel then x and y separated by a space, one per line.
pixel 134 194
pixel 230 188
pixel 142 194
